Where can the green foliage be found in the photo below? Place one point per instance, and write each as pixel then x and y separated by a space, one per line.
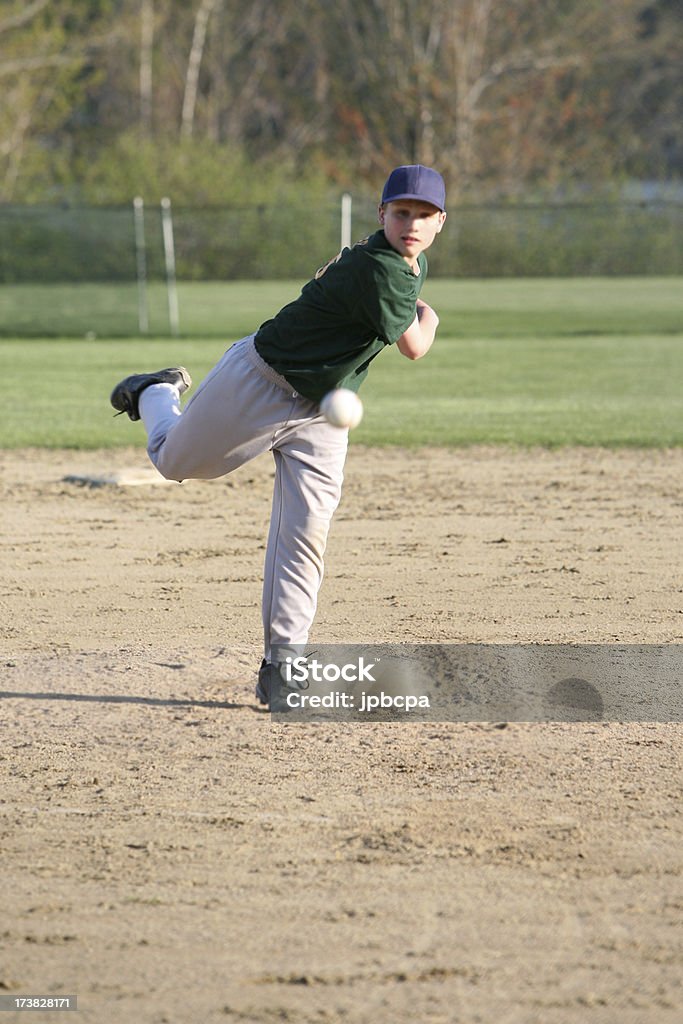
pixel 503 97
pixel 46 68
pixel 296 228
pixel 209 174
pixel 57 244
pixel 561 240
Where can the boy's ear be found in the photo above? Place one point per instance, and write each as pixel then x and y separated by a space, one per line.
pixel 380 213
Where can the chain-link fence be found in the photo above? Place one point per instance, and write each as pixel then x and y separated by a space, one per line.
pixel 72 271
pixel 78 270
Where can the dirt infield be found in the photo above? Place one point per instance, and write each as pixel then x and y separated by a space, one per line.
pixel 171 855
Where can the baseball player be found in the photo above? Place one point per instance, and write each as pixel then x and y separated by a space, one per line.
pixel 264 395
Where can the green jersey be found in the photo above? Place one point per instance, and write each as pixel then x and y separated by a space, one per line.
pixel 361 301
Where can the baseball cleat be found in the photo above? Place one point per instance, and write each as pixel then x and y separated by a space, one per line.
pixel 126 395
pixel 268 678
pixel 271 688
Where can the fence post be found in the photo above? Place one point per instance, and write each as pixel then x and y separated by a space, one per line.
pixel 346 202
pixel 141 263
pixel 169 256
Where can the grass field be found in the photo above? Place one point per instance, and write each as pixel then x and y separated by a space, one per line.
pixel 532 362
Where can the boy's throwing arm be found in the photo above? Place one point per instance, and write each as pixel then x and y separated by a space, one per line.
pixel 417 340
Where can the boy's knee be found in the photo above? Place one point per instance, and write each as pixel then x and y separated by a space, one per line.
pixel 167 466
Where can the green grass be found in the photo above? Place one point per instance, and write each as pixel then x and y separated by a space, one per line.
pixel 543 307
pixel 530 307
pixel 530 362
pixel 592 390
pixel 111 310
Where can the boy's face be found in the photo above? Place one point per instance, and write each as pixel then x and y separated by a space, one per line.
pixel 410 226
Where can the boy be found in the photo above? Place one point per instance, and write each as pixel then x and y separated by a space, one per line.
pixel 264 394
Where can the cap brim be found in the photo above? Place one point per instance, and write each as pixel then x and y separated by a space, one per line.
pixel 411 195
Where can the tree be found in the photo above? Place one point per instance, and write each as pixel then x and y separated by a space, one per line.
pixel 502 97
pixel 472 85
pixel 146 66
pixel 45 48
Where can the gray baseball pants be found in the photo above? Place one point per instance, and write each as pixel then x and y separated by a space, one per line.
pixel 242 409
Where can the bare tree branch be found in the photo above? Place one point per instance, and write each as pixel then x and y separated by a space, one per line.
pixel 206 8
pixel 23 18
pixel 146 46
pixel 22 64
pixel 523 62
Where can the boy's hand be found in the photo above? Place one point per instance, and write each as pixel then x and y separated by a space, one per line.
pixel 417 340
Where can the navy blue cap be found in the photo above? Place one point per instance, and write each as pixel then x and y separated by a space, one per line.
pixel 413 181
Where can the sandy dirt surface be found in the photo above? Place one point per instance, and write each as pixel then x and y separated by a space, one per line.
pixel 169 854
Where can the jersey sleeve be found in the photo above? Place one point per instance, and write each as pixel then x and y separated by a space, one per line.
pixel 388 299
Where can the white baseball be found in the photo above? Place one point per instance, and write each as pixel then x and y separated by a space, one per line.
pixel 342 408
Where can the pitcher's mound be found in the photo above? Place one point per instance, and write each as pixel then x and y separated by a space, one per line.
pixel 119 478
